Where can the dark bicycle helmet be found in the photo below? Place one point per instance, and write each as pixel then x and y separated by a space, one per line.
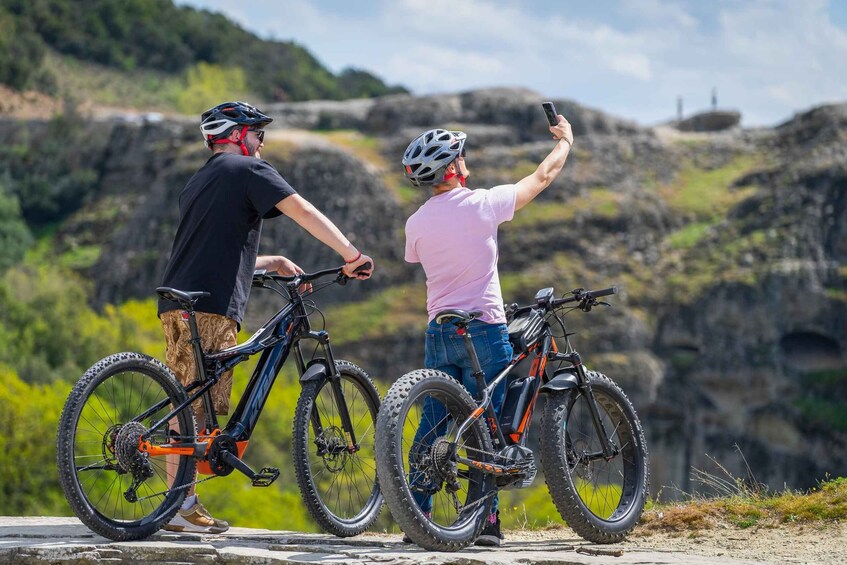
pixel 216 122
pixel 427 157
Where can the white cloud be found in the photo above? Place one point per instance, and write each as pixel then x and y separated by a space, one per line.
pixel 768 58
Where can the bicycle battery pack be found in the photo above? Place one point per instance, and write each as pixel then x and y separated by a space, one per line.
pixel 525 330
pixel 518 395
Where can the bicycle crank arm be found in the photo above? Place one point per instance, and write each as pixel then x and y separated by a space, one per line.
pixel 263 478
pixel 490 468
pixel 190 449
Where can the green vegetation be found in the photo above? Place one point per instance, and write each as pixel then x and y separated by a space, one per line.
pixel 386 313
pixel 733 258
pixel 156 34
pixel 206 85
pixel 822 402
pixel 29 484
pixel 46 170
pixel 598 202
pixel 749 507
pixel 689 236
pixel 15 236
pixel 708 195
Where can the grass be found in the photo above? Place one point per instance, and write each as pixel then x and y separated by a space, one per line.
pixel 689 236
pixel 106 86
pixel 391 310
pixel 824 503
pixel 599 202
pixel 708 195
pixel 745 503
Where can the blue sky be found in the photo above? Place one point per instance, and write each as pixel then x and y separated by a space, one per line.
pixel 631 58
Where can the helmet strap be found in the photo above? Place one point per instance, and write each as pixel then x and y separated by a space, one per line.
pixel 240 141
pixel 456 173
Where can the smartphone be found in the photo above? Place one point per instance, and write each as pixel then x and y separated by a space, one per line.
pixel 550 112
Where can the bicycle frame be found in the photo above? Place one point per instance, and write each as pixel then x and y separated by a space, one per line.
pixel 573 376
pixel 283 333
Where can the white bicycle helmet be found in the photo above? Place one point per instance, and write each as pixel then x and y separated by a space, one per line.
pixel 216 122
pixel 427 157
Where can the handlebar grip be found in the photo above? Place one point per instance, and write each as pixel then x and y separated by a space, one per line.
pixel 604 292
pixel 363 267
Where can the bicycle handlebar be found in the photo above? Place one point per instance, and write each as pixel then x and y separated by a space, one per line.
pixel 585 298
pixel 303 278
pixel 580 295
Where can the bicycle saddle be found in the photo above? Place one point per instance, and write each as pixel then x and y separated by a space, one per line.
pixel 461 316
pixel 181 296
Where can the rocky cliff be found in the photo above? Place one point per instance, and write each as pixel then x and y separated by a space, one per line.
pixel 730 249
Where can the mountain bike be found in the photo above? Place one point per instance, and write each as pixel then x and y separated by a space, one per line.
pixel 592 447
pixel 128 446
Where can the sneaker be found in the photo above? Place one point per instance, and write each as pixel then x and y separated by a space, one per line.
pixel 196 520
pixel 490 535
pixel 406 538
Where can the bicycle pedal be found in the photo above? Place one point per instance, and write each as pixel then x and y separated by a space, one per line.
pixel 266 477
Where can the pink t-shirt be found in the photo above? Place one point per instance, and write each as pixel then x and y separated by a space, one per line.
pixel 454 238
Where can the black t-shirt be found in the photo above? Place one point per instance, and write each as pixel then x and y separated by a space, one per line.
pixel 217 239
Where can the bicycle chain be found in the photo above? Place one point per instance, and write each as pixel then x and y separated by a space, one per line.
pixel 188 485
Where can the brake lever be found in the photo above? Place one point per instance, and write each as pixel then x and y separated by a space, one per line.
pixel 604 303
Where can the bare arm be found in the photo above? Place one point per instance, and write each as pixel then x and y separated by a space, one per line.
pixel 530 187
pixel 313 221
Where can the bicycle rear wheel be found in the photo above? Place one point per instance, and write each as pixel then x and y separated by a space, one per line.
pixel 600 500
pixel 113 488
pixel 339 488
pixel 410 461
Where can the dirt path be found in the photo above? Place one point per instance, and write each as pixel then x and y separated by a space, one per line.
pixel 820 545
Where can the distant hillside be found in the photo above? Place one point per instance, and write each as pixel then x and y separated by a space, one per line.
pixel 154 40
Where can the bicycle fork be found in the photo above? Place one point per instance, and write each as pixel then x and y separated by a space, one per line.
pixel 609 450
pixel 330 372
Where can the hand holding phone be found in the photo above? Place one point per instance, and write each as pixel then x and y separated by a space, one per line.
pixel 550 112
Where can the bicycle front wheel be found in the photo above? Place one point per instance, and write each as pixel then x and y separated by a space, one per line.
pixel 600 499
pixel 417 458
pixel 114 488
pixel 338 484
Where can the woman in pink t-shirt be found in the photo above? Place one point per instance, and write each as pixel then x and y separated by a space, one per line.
pixel 453 235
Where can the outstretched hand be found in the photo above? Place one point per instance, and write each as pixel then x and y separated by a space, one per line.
pixel 562 130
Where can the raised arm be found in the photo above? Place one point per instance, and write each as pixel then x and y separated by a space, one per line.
pixel 313 221
pixel 530 187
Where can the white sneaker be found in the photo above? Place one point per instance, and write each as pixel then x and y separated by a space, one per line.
pixel 196 520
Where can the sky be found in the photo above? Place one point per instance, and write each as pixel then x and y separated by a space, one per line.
pixel 635 59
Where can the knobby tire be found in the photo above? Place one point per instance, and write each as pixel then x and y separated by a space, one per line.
pixel 95 421
pixel 597 512
pixel 339 489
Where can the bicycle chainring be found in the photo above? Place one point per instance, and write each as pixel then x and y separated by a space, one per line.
pixel 221 444
pixel 522 461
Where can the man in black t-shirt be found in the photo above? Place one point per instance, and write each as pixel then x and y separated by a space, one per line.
pixel 216 250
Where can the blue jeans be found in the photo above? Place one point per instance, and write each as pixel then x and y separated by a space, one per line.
pixel 445 351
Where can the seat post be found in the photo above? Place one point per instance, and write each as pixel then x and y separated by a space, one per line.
pixel 477 368
pixel 199 360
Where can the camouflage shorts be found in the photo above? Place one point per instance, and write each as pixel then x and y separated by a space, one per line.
pixel 216 332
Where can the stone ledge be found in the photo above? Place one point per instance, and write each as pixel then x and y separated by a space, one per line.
pixel 66 540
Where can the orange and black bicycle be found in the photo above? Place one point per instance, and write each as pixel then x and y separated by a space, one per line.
pixel 434 439
pixel 128 446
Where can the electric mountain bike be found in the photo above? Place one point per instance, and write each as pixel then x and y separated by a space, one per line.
pixel 128 447
pixel 592 448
